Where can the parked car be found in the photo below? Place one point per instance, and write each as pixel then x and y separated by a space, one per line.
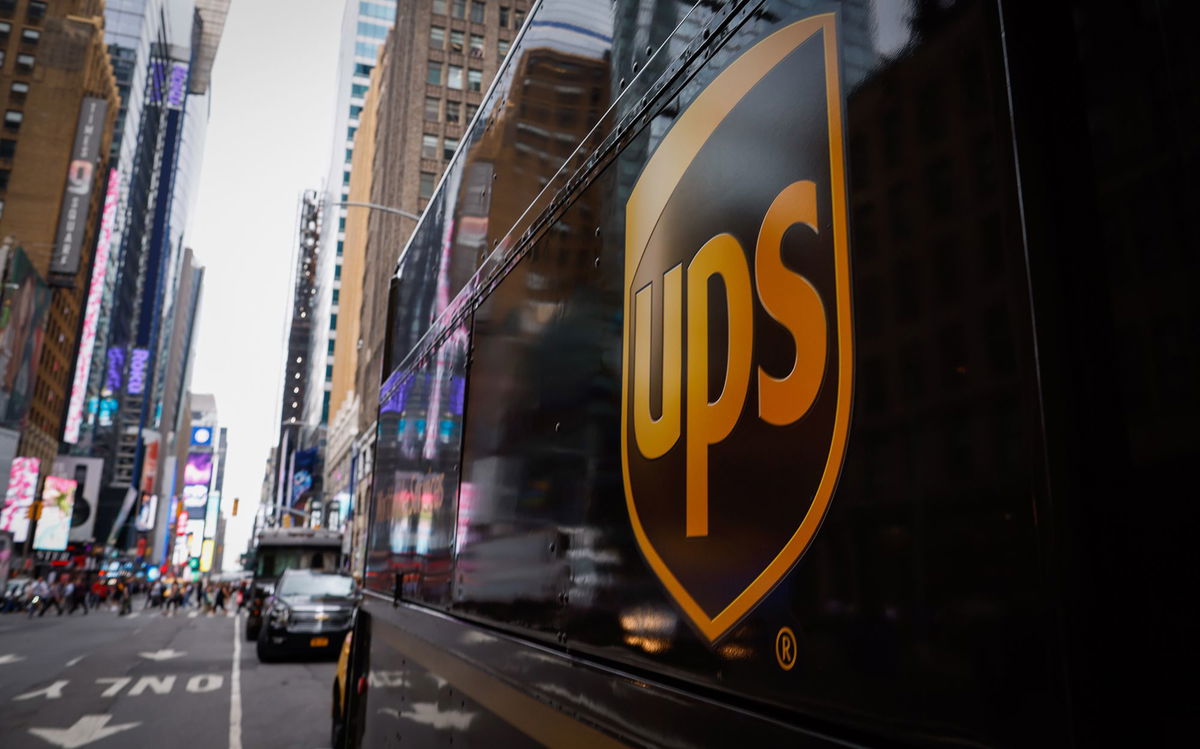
pixel 310 612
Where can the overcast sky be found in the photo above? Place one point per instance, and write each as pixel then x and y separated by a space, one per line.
pixel 268 140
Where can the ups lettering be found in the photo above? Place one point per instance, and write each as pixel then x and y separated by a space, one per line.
pixel 788 297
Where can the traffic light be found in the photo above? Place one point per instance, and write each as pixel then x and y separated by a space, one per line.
pixel 34 511
pixel 235 505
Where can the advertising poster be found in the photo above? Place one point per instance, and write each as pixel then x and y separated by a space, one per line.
pixel 24 300
pixel 87 473
pixel 58 502
pixel 212 514
pixel 198 470
pixel 195 537
pixel 22 483
pixel 147 512
pixel 195 499
pixel 72 224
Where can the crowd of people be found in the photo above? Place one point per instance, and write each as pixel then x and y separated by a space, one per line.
pixel 66 595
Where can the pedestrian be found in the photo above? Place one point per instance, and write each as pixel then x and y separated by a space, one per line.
pixel 219 600
pixel 57 596
pixel 243 598
pixel 77 596
pixel 124 595
pixel 41 592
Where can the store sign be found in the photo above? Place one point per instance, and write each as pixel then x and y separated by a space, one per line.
pixel 91 310
pixel 72 222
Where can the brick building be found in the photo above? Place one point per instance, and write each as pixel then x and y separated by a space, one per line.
pixel 59 100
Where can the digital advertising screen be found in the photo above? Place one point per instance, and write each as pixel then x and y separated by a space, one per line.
pixel 54 525
pixel 147 512
pixel 22 483
pixel 195 499
pixel 198 469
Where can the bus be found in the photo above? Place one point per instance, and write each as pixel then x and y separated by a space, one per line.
pixel 781 373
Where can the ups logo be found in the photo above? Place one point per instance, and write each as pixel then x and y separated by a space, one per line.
pixel 737 369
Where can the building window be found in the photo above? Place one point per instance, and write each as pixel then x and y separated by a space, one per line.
pixel 25 63
pixel 337 292
pixel 456 41
pixel 358 90
pixel 13 119
pixel 30 37
pixel 328 371
pixel 339 254
pixel 449 146
pixel 471 110
pixel 437 37
pixel 432 108
pixel 4 179
pixel 330 353
pixel 434 77
pixel 8 148
pixel 458 8
pixel 35 12
pixel 427 182
pixel 474 80
pixel 363 70
pixel 355 111
pixel 454 79
pixel 477 11
pixel 5 30
pixel 375 10
pixel 503 17
pixel 337 273
pixel 365 49
pixel 453 110
pixel 333 317
pixel 19 90
pixel 439 7
pixel 1 209
pixel 503 46
pixel 429 146
pixel 372 31
pixel 518 18
pixel 476 45
pixel 1 58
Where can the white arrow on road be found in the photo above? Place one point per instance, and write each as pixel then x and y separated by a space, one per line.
pixel 10 658
pixel 163 655
pixel 87 729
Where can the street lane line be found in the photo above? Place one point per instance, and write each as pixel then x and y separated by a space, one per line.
pixel 235 690
pixel 75 660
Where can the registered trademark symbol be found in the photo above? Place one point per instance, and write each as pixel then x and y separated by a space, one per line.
pixel 785 648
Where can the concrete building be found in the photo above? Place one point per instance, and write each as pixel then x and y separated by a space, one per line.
pixel 59 100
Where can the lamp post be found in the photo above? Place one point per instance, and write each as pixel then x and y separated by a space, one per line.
pixel 376 206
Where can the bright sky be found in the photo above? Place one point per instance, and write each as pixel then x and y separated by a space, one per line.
pixel 268 140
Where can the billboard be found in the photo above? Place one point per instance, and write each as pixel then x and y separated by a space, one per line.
pixel 22 483
pixel 202 436
pixel 139 360
pixel 147 512
pixel 211 514
pixel 198 469
pixel 195 499
pixel 54 525
pixel 23 305
pixel 72 222
pixel 87 473
pixel 91 309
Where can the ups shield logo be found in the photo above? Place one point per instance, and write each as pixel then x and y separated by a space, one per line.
pixel 736 378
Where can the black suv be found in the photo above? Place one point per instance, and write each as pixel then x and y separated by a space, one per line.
pixel 309 613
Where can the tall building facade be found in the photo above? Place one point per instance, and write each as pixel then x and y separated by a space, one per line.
pixel 60 101
pixel 163 51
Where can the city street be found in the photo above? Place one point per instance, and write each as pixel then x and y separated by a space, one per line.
pixel 150 680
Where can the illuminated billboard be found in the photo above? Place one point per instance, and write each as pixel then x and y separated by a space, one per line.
pixel 202 435
pixel 211 514
pixel 91 309
pixel 139 360
pixel 195 499
pixel 147 512
pixel 22 483
pixel 195 537
pixel 54 525
pixel 206 554
pixel 198 469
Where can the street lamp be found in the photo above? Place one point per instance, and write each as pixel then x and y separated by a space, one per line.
pixel 376 206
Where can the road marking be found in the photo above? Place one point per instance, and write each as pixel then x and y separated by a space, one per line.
pixel 117 685
pixel 75 660
pixel 165 654
pixel 201 683
pixel 193 615
pixel 235 689
pixel 160 686
pixel 52 692
pixel 10 658
pixel 87 729
pixel 132 616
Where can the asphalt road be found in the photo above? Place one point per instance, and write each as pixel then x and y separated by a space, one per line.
pixel 152 681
